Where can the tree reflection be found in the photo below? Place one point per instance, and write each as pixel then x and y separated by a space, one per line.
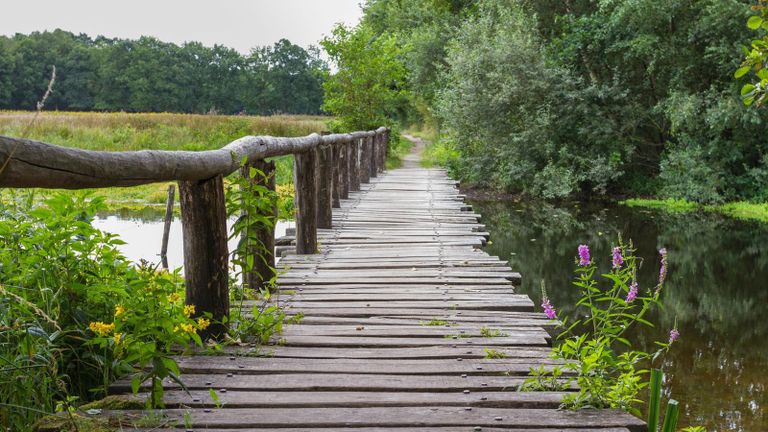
pixel 717 289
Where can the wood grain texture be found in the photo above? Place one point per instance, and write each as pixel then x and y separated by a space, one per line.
pixel 206 256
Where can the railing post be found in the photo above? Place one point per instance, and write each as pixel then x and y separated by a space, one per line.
pixel 343 172
pixel 365 160
pixel 305 200
pixel 354 165
pixel 374 156
pixel 206 257
pixel 264 251
pixel 384 150
pixel 336 168
pixel 324 187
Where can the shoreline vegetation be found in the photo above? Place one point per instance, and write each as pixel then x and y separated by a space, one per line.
pixel 437 153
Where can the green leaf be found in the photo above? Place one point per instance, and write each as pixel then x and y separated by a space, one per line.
pixel 740 72
pixel 136 383
pixel 670 418
pixel 747 89
pixel 754 22
pixel 654 403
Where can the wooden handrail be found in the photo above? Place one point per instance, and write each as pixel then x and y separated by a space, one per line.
pixel 37 164
pixel 322 177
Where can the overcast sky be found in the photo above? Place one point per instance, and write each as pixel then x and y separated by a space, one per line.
pixel 238 24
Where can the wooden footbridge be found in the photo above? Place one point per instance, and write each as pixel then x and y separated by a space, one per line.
pixel 408 325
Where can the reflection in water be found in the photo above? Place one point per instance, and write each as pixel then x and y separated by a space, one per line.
pixel 143 237
pixel 717 290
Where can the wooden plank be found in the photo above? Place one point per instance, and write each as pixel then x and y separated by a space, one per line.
pixel 462 353
pixel 337 382
pixel 404 342
pixel 349 399
pixel 266 365
pixel 433 416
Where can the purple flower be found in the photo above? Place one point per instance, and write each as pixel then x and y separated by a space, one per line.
pixel 584 258
pixel 549 310
pixel 618 260
pixel 632 294
pixel 673 335
pixel 663 270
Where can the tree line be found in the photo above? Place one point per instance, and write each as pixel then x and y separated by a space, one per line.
pixel 149 75
pixel 561 98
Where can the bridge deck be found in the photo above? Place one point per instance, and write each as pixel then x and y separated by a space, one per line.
pixel 398 306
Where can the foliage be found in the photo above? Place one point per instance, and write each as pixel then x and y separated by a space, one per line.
pixel 755 58
pixel 578 98
pixel 494 354
pixel 737 210
pixel 58 275
pixel 150 75
pixel 594 346
pixel 367 90
pixel 252 204
pixel 149 325
pixel 670 204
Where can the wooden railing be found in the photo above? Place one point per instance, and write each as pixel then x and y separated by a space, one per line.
pixel 326 169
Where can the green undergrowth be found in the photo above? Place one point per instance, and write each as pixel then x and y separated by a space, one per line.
pixel 738 210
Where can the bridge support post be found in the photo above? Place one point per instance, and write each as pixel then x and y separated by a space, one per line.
pixel 365 160
pixel 343 151
pixel 383 151
pixel 264 235
pixel 373 161
pixel 353 163
pixel 324 187
pixel 338 165
pixel 305 201
pixel 206 257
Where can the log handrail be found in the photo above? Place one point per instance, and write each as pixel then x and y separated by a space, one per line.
pixel 37 164
pixel 359 156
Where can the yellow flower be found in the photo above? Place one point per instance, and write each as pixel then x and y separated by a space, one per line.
pixel 119 311
pixel 203 323
pixel 189 328
pixel 117 337
pixel 101 328
pixel 189 310
pixel 174 298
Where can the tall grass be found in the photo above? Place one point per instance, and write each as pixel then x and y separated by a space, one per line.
pixel 124 132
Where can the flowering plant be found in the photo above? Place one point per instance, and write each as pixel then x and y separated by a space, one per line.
pixel 148 326
pixel 594 346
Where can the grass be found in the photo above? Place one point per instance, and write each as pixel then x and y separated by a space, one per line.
pixel 669 205
pixel 434 323
pixel 494 354
pixel 738 210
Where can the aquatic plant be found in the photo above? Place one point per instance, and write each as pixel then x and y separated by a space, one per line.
pixel 607 369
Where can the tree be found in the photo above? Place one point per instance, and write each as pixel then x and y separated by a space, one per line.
pixel 368 90
pixel 756 58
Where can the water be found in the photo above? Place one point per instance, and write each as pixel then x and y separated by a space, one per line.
pixel 717 290
pixel 143 236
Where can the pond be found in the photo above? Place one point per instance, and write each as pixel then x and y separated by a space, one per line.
pixel 143 233
pixel 717 290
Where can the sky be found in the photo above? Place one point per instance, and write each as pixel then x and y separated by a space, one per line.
pixel 238 24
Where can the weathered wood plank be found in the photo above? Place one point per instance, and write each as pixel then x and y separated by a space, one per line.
pixel 433 416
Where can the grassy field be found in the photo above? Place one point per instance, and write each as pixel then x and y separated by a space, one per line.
pixel 124 132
